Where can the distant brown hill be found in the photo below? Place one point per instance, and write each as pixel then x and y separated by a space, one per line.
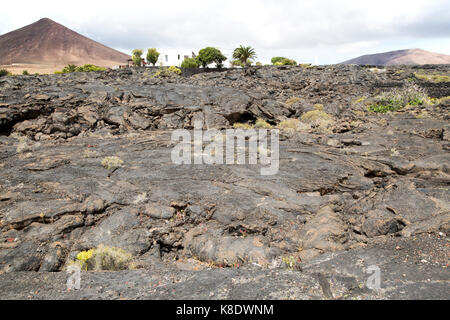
pixel 401 57
pixel 50 44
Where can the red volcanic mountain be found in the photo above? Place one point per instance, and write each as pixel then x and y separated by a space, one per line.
pixel 49 43
pixel 399 57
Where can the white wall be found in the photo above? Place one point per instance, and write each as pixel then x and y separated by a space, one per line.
pixel 174 57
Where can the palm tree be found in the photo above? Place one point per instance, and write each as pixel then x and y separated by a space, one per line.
pixel 70 68
pixel 244 54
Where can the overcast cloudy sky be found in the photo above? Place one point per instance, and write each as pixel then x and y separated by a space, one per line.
pixel 332 31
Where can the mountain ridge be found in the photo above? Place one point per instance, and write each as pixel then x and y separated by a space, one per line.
pixel 46 42
pixel 414 56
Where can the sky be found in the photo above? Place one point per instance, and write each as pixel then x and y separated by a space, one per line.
pixel 324 31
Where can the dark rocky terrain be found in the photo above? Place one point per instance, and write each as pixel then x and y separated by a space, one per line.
pixel 357 190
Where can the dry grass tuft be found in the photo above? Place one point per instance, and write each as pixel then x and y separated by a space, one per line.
pixel 262 124
pixel 292 100
pixel 112 162
pixel 104 258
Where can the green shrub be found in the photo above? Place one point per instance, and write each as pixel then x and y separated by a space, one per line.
pixel 152 56
pixel 237 63
pixel 86 68
pixel 168 72
pixel 4 72
pixel 136 56
pixel 189 63
pixel 289 62
pixel 383 108
pixel 282 61
pixel 397 99
pixel 290 262
pixel 89 68
pixel 210 55
pixel 25 73
pixel 83 257
pixel 277 59
pixel 435 77
pixel 174 70
pixel 112 162
pixel 105 258
pixel 359 100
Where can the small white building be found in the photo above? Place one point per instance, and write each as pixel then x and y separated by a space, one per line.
pixel 174 57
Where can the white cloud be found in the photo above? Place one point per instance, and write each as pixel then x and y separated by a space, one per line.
pixel 356 46
pixel 331 30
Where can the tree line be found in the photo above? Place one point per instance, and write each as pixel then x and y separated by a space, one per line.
pixel 243 56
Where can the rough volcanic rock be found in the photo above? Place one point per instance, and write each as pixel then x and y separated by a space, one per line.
pixel 366 179
pixel 409 269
